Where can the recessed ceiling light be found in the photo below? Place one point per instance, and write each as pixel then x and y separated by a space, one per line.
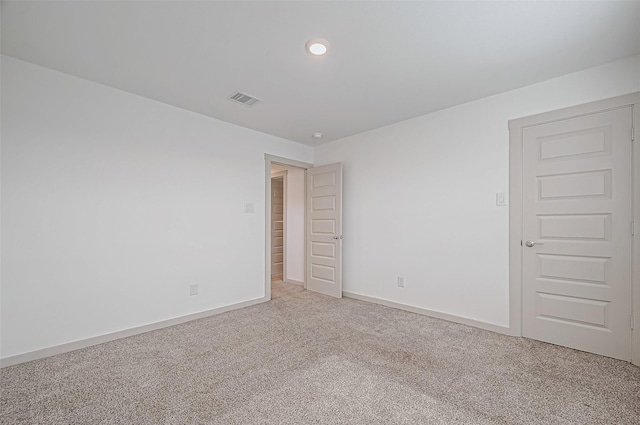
pixel 317 135
pixel 317 46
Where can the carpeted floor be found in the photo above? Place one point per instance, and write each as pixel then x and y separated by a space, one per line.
pixel 304 358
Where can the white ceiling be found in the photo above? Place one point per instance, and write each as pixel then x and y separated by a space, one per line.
pixel 389 61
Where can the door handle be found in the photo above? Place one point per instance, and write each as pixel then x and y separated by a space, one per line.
pixel 530 244
pixel 337 237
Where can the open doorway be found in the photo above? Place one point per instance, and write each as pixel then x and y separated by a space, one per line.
pixel 277 223
pixel 287 224
pixel 286 197
pixel 287 229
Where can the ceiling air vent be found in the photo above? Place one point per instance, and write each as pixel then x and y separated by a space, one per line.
pixel 244 98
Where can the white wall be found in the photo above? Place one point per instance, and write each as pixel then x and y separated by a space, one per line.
pixel 112 204
pixel 419 196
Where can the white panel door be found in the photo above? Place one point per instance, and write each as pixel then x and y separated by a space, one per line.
pixel 324 229
pixel 577 260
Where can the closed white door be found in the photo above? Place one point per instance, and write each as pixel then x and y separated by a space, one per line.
pixel 577 260
pixel 324 229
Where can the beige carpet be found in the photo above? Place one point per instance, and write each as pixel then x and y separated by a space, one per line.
pixel 304 358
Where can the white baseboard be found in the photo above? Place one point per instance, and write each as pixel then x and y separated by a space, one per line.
pixel 294 282
pixel 505 330
pixel 88 342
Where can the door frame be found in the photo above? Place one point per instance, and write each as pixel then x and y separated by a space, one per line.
pixel 516 127
pixel 268 160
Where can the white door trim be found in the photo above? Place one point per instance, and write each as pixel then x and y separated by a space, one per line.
pixel 268 160
pixel 515 205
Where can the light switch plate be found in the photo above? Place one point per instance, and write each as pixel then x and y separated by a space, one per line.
pixel 501 199
pixel 248 208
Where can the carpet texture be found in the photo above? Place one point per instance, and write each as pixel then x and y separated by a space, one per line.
pixel 305 358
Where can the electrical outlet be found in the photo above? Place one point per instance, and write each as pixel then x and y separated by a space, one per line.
pixel 400 282
pixel 193 289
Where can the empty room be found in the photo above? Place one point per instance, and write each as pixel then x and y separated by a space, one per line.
pixel 319 212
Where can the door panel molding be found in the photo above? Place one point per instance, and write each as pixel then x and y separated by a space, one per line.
pixel 594 146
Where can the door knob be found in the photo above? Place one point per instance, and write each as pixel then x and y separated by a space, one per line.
pixel 530 244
